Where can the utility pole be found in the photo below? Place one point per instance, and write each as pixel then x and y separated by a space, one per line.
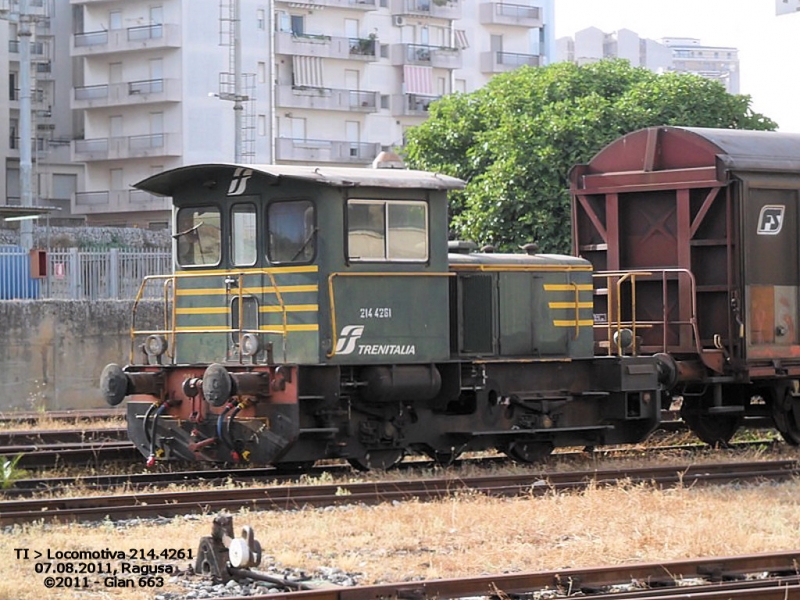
pixel 236 86
pixel 25 133
pixel 238 108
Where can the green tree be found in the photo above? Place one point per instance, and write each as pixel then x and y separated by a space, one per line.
pixel 515 140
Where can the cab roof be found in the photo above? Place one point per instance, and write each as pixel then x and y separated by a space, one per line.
pixel 212 174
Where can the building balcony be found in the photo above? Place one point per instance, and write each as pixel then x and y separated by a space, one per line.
pixel 43 71
pixel 433 9
pixel 84 203
pixel 325 46
pixel 500 62
pixel 39 147
pixel 135 146
pixel 39 100
pixel 132 92
pixel 36 8
pixel 411 105
pixel 288 96
pixel 362 5
pixel 37 48
pixel 126 40
pixel 502 13
pixel 440 57
pixel 326 151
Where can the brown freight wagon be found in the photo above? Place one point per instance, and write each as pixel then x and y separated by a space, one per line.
pixel 695 234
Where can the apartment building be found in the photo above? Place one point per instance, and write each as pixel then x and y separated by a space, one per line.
pixel 329 82
pixel 683 55
pixel 54 177
pixel 783 7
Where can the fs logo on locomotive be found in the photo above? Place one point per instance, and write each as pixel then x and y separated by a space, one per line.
pixel 770 219
pixel 348 338
pixel 239 181
pixel 350 335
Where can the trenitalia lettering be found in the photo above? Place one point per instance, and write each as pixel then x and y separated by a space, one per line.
pixel 387 349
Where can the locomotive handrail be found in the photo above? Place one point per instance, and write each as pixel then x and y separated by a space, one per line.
pixel 171 314
pixel 617 323
pixel 332 276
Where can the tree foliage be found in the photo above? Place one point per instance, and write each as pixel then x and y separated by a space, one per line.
pixel 515 140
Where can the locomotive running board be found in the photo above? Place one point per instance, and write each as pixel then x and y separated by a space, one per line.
pixel 527 431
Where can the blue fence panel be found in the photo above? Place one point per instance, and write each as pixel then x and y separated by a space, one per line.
pixel 16 282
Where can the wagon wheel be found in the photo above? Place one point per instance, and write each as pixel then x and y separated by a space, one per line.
pixel 525 451
pixel 443 458
pixel 377 459
pixel 714 430
pixel 786 415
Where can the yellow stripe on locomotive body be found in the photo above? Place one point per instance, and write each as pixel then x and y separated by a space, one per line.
pixel 280 304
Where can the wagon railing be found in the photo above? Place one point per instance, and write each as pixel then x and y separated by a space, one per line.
pixel 622 319
pixel 170 331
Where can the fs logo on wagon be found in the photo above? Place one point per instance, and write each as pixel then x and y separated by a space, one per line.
pixel 770 219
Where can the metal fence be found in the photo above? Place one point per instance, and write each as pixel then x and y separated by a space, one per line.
pixel 74 274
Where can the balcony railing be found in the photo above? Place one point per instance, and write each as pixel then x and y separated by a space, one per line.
pixel 132 92
pixel 326 151
pixel 327 99
pixel 498 62
pixel 502 13
pixel 118 201
pixel 325 46
pixel 362 5
pixel 37 48
pixel 120 40
pixel 442 57
pixel 37 96
pixel 411 105
pixel 434 9
pixel 136 146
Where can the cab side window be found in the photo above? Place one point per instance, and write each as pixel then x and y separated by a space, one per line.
pixel 243 235
pixel 292 231
pixel 387 230
pixel 198 236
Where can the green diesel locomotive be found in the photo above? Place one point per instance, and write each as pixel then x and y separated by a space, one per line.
pixel 320 312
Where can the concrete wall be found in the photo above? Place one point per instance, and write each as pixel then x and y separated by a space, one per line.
pixel 53 351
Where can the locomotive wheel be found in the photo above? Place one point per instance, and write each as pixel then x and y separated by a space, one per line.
pixel 528 452
pixel 786 414
pixel 714 430
pixel 377 459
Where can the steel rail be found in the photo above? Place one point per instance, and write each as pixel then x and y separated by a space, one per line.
pixel 771 576
pixel 288 497
pixel 37 437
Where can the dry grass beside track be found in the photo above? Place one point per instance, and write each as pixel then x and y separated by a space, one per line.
pixel 466 535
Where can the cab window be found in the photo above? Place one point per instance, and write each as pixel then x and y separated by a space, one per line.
pixel 198 236
pixel 292 231
pixel 243 235
pixel 387 230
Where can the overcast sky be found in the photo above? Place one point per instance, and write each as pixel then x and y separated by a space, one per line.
pixel 769 46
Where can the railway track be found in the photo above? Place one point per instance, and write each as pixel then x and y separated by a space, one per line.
pixel 49 456
pixel 167 504
pixel 38 437
pixel 121 453
pixel 67 416
pixel 770 576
